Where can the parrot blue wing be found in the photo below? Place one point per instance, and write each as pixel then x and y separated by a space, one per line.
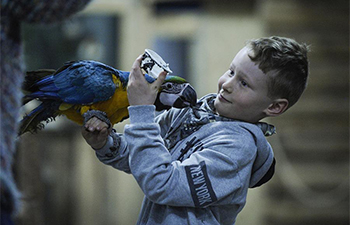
pixel 79 82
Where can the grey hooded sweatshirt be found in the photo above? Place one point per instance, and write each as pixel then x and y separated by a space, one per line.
pixel 193 166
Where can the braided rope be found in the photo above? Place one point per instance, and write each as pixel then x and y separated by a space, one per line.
pixel 13 12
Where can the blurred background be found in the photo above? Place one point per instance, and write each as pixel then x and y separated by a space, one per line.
pixel 61 180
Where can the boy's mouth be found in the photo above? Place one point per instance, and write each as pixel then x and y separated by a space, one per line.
pixel 222 98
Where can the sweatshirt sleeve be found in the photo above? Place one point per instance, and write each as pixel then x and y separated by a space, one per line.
pixel 207 177
pixel 115 152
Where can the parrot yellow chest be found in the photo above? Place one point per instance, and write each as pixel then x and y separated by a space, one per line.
pixel 115 107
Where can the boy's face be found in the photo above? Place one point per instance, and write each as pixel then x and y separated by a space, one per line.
pixel 243 89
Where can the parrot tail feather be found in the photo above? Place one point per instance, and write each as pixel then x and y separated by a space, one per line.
pixel 32 77
pixel 26 99
pixel 31 81
pixel 45 112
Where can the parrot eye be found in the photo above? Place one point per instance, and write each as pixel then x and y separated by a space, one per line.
pixel 171 88
pixel 169 85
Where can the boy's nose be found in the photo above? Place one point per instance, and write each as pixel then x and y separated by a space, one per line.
pixel 228 86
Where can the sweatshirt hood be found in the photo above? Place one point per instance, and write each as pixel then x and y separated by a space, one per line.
pixel 264 164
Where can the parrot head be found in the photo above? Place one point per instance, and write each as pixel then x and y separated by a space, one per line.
pixel 175 92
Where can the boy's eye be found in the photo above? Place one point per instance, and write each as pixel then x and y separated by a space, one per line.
pixel 244 84
pixel 232 73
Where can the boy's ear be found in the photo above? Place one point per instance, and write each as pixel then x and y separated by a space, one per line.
pixel 278 107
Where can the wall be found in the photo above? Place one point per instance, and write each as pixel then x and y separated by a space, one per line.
pixel 92 193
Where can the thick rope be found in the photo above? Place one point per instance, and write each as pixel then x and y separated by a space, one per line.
pixel 13 12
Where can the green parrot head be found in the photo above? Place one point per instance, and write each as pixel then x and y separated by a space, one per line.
pixel 175 79
pixel 175 92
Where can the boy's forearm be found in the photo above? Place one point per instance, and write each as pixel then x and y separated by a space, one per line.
pixel 115 152
pixel 106 150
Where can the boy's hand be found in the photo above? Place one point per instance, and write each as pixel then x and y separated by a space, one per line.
pixel 140 92
pixel 95 133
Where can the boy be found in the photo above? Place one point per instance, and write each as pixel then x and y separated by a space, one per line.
pixel 195 165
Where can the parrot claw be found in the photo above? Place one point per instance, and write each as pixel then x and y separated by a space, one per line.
pixel 153 64
pixel 99 115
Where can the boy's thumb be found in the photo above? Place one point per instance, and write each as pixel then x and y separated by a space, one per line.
pixel 161 78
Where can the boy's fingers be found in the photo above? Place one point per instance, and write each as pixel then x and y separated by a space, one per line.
pixel 95 124
pixel 136 69
pixel 162 76
pixel 160 79
pixel 92 126
pixel 98 124
pixel 102 125
pixel 88 124
pixel 104 132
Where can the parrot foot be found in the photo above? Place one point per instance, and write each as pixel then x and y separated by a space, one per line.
pixel 99 115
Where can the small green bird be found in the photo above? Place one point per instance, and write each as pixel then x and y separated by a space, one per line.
pixel 80 86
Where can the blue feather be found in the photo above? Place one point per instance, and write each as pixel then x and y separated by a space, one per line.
pixel 85 82
pixel 82 82
pixel 44 95
pixel 45 81
pixel 125 76
pixel 149 79
pixel 49 88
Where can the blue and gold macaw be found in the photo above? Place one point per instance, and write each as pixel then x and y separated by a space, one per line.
pixel 84 85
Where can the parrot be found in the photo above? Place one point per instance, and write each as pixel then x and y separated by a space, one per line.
pixel 83 85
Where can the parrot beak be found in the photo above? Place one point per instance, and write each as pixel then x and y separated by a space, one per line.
pixel 187 98
pixel 178 95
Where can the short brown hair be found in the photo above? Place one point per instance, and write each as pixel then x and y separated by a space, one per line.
pixel 287 59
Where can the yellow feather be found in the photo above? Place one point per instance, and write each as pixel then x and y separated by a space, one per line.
pixel 115 107
pixel 65 106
